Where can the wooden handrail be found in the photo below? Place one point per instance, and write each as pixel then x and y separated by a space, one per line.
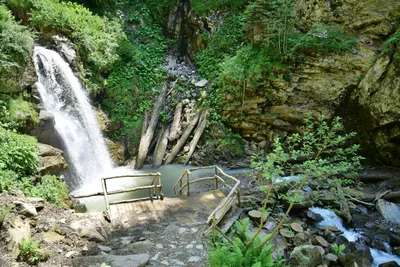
pixel 219 176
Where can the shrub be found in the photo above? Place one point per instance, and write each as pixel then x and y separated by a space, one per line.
pixel 203 7
pixel 30 252
pixel 15 50
pixel 392 47
pixel 16 114
pixel 236 253
pixel 52 189
pixel 18 153
pixel 322 153
pixel 96 38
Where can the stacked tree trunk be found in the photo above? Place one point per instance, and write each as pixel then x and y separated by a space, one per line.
pixel 175 136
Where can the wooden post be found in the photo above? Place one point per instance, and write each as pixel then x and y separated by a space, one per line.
pixel 180 186
pixel 103 184
pixel 215 175
pixel 188 183
pixel 238 195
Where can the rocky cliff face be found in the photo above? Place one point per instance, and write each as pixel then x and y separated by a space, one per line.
pixel 327 85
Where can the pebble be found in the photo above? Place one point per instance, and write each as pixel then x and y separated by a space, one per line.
pixel 165 262
pixel 104 248
pixel 200 247
pixel 156 256
pixel 182 230
pixel 172 246
pixel 71 254
pixel 189 246
pixel 159 246
pixel 194 259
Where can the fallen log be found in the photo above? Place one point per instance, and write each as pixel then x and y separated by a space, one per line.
pixel 199 131
pixel 181 142
pixel 148 136
pixel 175 127
pixel 392 196
pixel 161 147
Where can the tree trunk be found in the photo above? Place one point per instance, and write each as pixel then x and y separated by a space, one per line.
pixel 161 147
pixel 199 131
pixel 181 142
pixel 173 134
pixel 148 136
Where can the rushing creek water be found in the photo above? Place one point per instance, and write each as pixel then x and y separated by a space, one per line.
pixel 331 219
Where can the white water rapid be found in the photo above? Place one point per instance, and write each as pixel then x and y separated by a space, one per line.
pixel 63 96
pixel 331 219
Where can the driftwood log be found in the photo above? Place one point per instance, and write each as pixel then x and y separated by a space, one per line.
pixel 175 127
pixel 161 147
pixel 148 136
pixel 199 131
pixel 181 142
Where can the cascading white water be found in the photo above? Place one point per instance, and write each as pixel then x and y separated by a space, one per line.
pixel 63 96
pixel 331 219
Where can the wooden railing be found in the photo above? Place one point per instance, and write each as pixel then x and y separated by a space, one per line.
pixel 219 176
pixel 154 189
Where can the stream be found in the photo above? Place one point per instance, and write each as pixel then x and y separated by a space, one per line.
pixel 331 219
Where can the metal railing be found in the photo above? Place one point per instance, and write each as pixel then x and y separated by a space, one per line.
pixel 154 189
pixel 219 176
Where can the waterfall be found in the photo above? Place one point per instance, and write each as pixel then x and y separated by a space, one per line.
pixel 62 95
pixel 331 219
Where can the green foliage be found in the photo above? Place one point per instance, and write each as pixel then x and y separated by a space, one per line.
pixel 30 252
pixel 338 250
pixel 236 253
pixel 322 153
pixel 18 153
pixel 327 152
pixel 50 188
pixel 203 7
pixel 135 79
pixel 392 46
pixel 96 38
pixel 15 49
pixel 16 113
pixel 9 180
pixel 221 45
pixel 3 213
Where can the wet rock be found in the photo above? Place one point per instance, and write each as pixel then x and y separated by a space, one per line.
pixel 301 239
pixel 256 215
pixel 331 257
pixel 353 260
pixel 65 48
pixel 389 211
pixel 306 255
pixel 104 248
pixel 296 227
pixel 286 233
pixel 314 216
pixel 361 250
pixel 389 264
pixel 321 241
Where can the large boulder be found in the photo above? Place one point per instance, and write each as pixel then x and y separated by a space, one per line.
pixel 389 211
pixel 306 255
pixel 116 151
pixel 45 131
pixel 53 161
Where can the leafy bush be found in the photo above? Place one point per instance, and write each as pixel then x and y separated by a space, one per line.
pixel 96 38
pixel 9 180
pixel 221 45
pixel 15 113
pixel 132 85
pixel 18 153
pixel 52 189
pixel 30 252
pixel 205 6
pixel 322 153
pixel 392 46
pixel 236 253
pixel 15 50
